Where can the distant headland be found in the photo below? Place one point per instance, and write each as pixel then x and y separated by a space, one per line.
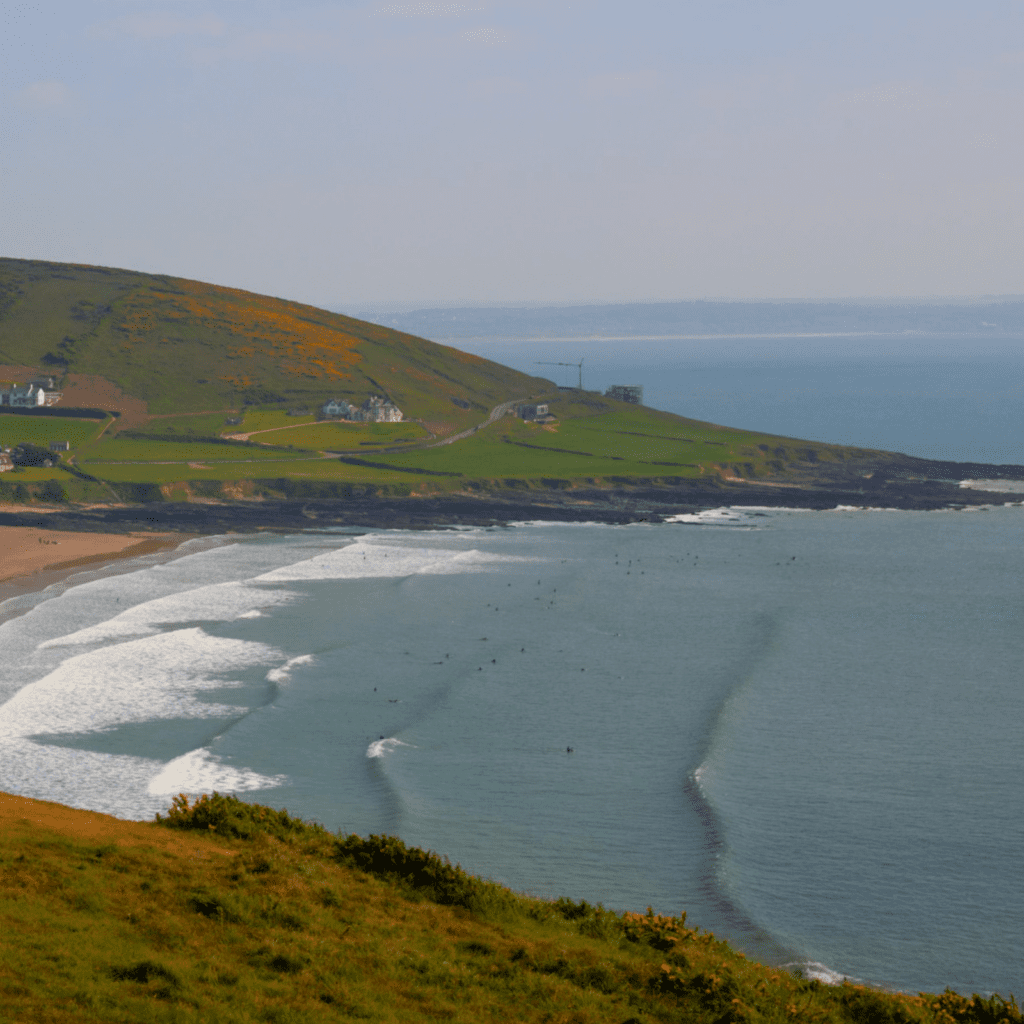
pixel 218 408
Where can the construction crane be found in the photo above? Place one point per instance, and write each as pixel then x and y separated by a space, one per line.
pixel 579 365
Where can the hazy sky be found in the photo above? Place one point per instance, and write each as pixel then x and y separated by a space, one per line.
pixel 350 152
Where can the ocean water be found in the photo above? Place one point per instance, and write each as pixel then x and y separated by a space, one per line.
pixel 802 728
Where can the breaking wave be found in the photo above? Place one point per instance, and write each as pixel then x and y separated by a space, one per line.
pixel 368 560
pixel 381 747
pixel 199 771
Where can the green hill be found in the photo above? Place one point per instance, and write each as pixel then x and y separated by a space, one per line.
pixel 185 347
pixel 215 392
pixel 240 913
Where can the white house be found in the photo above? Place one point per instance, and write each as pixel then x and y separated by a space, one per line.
pixel 338 407
pixel 374 410
pixel 23 396
pixel 380 410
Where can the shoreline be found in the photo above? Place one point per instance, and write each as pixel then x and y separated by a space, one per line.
pixel 156 527
pixel 38 573
pixel 498 507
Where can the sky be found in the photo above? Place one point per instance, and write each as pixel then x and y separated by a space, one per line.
pixel 345 153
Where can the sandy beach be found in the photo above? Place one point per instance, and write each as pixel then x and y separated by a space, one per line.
pixel 25 550
pixel 32 559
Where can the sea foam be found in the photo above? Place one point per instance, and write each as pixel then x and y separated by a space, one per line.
pixel 284 673
pixel 368 560
pixel 378 748
pixel 137 681
pixel 199 771
pixel 217 602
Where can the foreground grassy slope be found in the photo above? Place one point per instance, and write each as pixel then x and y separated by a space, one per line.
pixel 182 346
pixel 231 912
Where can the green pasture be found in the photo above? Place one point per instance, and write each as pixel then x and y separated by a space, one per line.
pixel 592 440
pixel 297 468
pixel 208 425
pixel 35 475
pixel 123 449
pixel 341 436
pixel 41 430
pixel 269 419
pixel 604 439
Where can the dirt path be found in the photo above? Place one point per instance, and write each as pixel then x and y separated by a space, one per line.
pixel 496 413
pixel 268 430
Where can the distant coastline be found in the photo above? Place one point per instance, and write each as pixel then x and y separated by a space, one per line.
pixel 619 505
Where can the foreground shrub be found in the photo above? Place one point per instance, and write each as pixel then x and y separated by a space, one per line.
pixel 425 872
pixel 229 816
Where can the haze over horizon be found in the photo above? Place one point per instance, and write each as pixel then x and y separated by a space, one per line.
pixel 352 154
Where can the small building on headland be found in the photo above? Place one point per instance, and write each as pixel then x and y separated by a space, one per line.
pixel 60 446
pixel 532 410
pixel 374 410
pixel 6 462
pixel 626 393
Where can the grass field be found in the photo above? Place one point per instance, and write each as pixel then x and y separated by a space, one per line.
pixel 342 436
pixel 238 913
pixel 209 425
pixel 121 449
pixel 41 430
pixel 269 419
pixel 311 467
pixel 604 439
pixel 593 441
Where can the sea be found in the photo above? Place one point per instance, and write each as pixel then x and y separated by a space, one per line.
pixel 801 728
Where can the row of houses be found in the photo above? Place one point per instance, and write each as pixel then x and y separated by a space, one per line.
pixel 33 395
pixel 374 410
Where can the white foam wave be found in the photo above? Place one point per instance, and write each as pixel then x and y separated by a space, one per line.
pixel 1005 486
pixel 378 748
pixel 199 771
pixel 367 560
pixel 709 517
pixel 136 681
pixel 284 673
pixel 863 508
pixel 110 783
pixel 218 602
pixel 811 970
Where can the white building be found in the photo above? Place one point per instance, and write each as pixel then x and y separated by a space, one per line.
pixel 379 410
pixel 374 410
pixel 23 396
pixel 338 407
pixel 532 410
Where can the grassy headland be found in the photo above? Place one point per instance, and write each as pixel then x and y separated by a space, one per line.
pixel 201 381
pixel 229 912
